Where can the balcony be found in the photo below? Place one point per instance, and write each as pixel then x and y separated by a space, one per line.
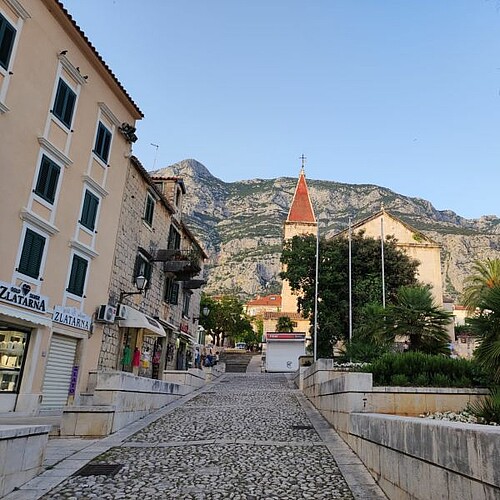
pixel 183 263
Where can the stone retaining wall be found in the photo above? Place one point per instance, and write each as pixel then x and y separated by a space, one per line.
pixel 22 449
pixel 411 458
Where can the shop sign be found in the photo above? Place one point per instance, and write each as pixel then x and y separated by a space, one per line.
pixel 286 336
pixel 74 379
pixel 22 296
pixel 184 328
pixel 71 316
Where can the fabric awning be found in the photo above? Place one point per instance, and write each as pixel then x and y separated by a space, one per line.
pixel 137 319
pixel 187 338
pixel 25 316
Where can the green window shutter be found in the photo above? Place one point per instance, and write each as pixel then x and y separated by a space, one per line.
pixel 89 210
pixel 64 103
pixel 46 184
pixel 150 205
pixel 32 253
pixel 174 239
pixel 7 36
pixel 174 295
pixel 77 276
pixel 168 289
pixel 103 142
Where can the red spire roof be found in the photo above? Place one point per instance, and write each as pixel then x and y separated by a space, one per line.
pixel 301 209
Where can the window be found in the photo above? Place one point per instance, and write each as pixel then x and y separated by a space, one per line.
pixel 174 239
pixel 150 206
pixel 64 103
pixel 46 184
pixel 171 291
pixel 7 36
pixel 185 304
pixel 102 143
pixel 78 275
pixel 32 253
pixel 143 268
pixel 89 210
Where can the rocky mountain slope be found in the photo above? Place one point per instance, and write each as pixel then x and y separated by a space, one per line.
pixel 240 225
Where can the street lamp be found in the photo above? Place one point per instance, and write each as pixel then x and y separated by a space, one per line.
pixel 205 312
pixel 140 282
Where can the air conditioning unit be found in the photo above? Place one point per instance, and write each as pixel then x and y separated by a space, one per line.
pixel 106 313
pixel 122 312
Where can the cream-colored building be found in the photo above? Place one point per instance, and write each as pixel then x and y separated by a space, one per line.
pixel 66 129
pixel 414 243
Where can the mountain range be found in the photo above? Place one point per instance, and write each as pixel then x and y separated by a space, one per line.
pixel 240 225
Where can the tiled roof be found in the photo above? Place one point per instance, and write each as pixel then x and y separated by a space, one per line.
pixel 99 57
pixel 301 209
pixel 268 300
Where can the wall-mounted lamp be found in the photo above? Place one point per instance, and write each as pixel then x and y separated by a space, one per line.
pixel 140 283
pixel 205 312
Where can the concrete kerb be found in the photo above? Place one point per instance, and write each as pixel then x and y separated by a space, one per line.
pixel 356 475
pixel 76 459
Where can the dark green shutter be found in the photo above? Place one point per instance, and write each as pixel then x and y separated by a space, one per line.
pixel 48 176
pixel 174 239
pixel 168 289
pixel 32 253
pixel 148 215
pixel 77 276
pixel 174 295
pixel 89 210
pixel 64 103
pixel 7 36
pixel 102 142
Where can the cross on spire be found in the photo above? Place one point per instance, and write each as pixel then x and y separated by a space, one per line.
pixel 303 158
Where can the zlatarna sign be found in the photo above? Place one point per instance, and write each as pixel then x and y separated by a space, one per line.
pixel 71 316
pixel 22 296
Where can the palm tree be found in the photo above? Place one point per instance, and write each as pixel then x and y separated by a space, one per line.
pixel 416 316
pixel 485 326
pixel 284 324
pixel 485 276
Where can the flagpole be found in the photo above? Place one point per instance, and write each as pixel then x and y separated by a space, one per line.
pixel 382 255
pixel 315 351
pixel 350 282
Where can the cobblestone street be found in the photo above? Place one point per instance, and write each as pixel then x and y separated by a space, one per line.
pixel 247 436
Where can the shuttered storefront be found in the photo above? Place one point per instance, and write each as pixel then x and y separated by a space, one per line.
pixel 58 372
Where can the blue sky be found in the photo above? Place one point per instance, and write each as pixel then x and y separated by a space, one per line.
pixel 402 94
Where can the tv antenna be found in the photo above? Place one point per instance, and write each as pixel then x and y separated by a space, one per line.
pixel 156 153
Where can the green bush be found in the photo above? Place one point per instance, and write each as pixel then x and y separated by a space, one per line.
pixel 487 409
pixel 400 380
pixel 426 370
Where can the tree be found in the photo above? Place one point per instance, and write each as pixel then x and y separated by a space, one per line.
pixel 485 276
pixel 284 324
pixel 485 325
pixel 415 315
pixel 299 255
pixel 225 319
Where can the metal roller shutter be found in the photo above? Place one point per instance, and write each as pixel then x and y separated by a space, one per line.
pixel 58 372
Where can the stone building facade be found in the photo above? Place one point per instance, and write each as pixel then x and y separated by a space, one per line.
pixel 164 324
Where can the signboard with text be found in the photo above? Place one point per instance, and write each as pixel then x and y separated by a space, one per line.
pixel 71 316
pixel 23 296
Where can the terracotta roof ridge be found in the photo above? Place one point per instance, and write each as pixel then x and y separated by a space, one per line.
pixel 301 209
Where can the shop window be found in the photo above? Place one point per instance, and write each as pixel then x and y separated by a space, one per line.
pixel 89 210
pixel 149 210
pixel 64 103
pixel 143 267
pixel 102 143
pixel 7 37
pixel 31 254
pixel 78 274
pixel 13 346
pixel 174 239
pixel 48 175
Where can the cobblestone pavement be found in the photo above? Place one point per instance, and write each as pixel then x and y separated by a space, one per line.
pixel 249 436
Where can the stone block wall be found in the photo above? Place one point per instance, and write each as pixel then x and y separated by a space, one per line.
pixel 22 449
pixel 411 458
